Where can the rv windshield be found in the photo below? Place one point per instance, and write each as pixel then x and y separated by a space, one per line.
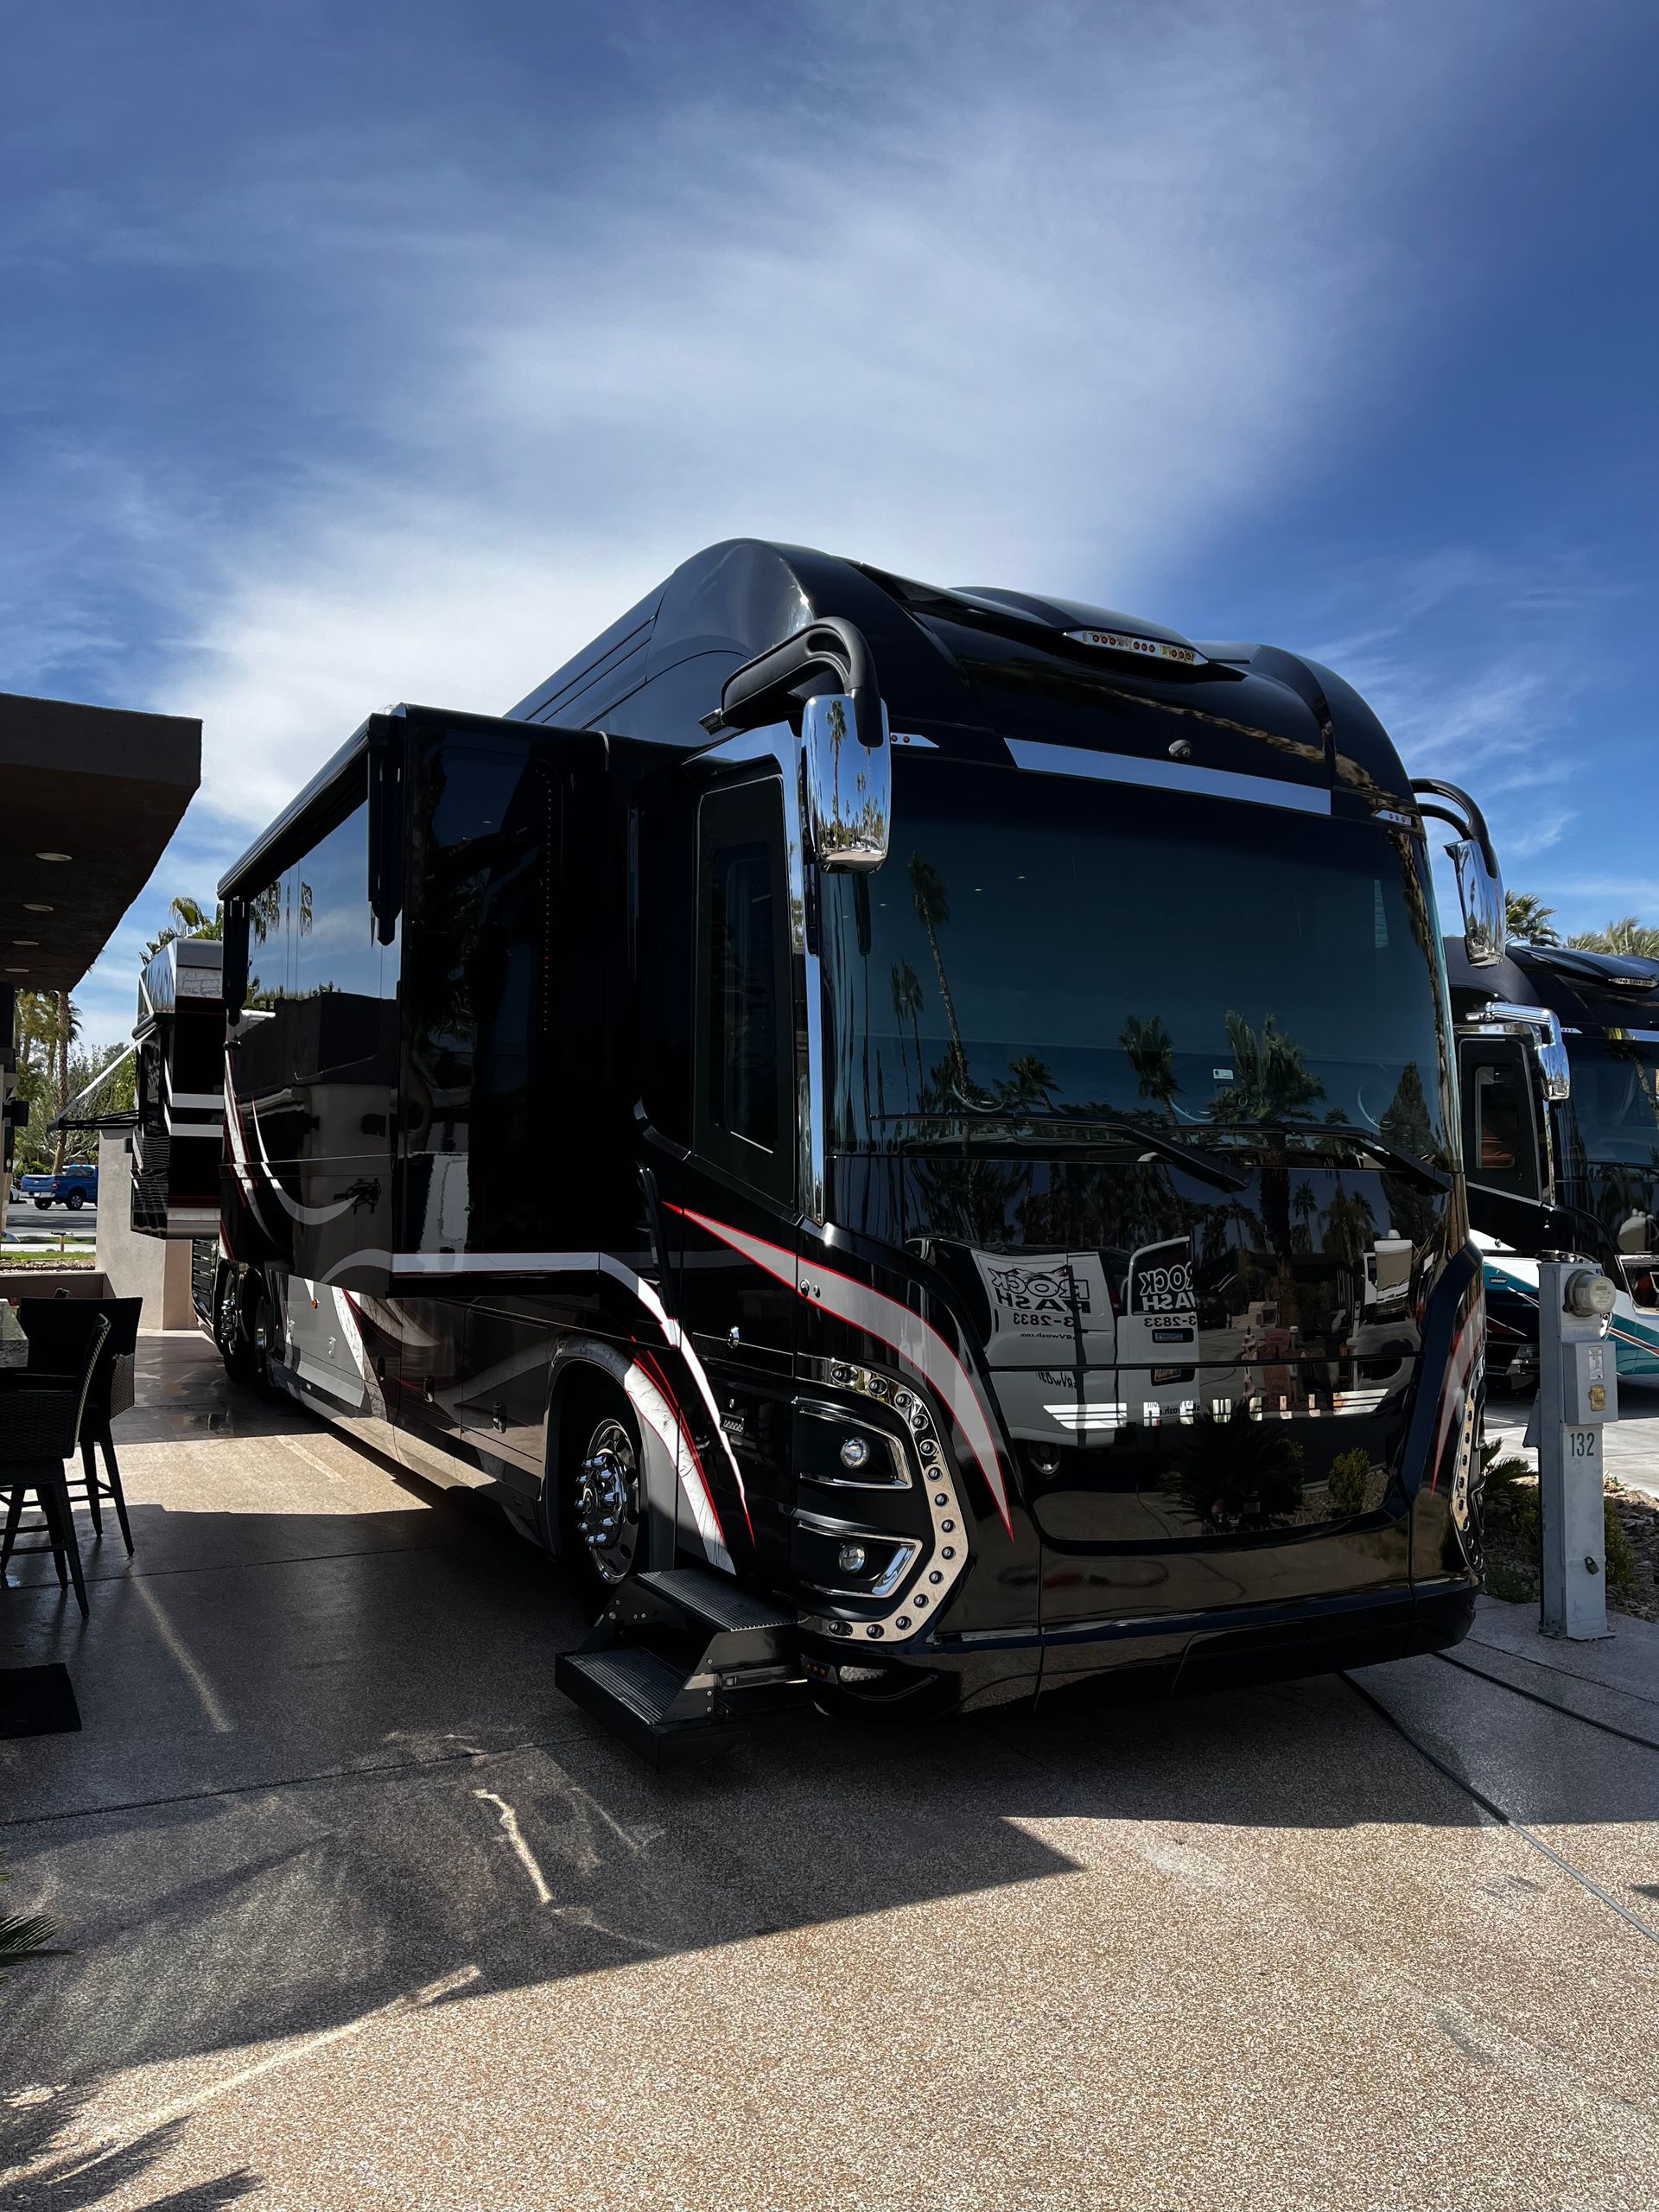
pixel 1050 945
pixel 1612 1116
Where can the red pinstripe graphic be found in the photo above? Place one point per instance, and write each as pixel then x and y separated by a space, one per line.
pixel 918 1344
pixel 680 1422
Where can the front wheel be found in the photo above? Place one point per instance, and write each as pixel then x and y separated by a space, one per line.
pixel 600 1497
pixel 75 1200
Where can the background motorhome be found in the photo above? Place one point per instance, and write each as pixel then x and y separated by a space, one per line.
pixel 1580 1173
pixel 178 1140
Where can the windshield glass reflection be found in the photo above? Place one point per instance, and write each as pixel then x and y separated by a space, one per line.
pixel 1047 947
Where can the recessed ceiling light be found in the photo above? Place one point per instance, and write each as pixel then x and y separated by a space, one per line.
pixel 35 906
pixel 16 971
pixel 54 856
pixel 25 940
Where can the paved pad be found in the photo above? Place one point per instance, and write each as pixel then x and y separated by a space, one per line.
pixel 365 1914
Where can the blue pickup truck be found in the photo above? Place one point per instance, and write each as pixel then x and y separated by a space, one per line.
pixel 76 1188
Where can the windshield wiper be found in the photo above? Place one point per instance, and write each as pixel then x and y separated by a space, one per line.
pixel 1423 1173
pixel 1204 1165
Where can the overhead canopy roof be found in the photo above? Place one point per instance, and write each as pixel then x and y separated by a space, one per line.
pixel 106 788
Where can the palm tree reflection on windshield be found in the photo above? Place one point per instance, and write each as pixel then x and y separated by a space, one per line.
pixel 1271 1080
pixel 1151 1052
pixel 933 910
pixel 907 1003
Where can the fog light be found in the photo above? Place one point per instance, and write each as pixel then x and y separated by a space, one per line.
pixel 854 1451
pixel 850 1559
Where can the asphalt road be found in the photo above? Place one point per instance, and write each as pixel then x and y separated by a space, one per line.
pixel 365 1914
pixel 26 1225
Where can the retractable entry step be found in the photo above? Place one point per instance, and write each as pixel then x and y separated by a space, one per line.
pixel 680 1661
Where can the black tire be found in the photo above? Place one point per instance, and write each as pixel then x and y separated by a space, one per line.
pixel 581 1497
pixel 241 1312
pixel 42 1205
pixel 75 1200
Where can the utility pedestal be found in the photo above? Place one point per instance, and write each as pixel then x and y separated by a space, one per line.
pixel 1578 1395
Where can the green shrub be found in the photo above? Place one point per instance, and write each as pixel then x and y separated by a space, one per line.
pixel 1349 1473
pixel 1621 1553
pixel 1239 1472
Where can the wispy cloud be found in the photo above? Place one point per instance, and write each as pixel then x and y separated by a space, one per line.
pixel 1049 296
pixel 1036 296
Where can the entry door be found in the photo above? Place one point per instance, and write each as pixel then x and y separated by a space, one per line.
pixel 732 1201
pixel 1501 1149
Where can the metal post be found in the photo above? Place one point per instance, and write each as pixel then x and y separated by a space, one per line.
pixel 1578 1395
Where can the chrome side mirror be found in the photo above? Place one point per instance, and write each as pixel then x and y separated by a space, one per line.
pixel 1540 1025
pixel 848 785
pixel 1480 893
pixel 1480 883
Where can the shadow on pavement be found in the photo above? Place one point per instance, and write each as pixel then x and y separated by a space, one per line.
pixel 324 1770
pixel 40 2132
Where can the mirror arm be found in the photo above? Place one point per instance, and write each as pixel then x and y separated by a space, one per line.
pixel 1469 822
pixel 762 690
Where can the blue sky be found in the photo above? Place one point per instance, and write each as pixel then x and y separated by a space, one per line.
pixel 361 353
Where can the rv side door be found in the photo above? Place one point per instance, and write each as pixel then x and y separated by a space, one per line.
pixel 1503 1150
pixel 740 1178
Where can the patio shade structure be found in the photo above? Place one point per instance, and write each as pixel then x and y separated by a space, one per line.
pixel 89 796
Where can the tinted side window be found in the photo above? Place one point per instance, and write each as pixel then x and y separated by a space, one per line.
pixel 1500 1146
pixel 482 989
pixel 745 1046
pixel 334 964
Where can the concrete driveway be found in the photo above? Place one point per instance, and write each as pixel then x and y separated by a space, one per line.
pixel 365 1914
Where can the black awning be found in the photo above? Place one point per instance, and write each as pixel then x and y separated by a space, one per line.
pixel 89 796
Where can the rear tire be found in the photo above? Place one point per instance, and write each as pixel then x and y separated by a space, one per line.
pixel 596 1498
pixel 241 1324
pixel 42 1205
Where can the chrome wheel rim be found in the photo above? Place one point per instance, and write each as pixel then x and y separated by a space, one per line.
pixel 607 1501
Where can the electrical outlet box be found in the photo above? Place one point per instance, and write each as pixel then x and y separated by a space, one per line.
pixel 1589 1385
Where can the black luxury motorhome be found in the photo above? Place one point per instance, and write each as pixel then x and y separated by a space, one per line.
pixel 1558 1052
pixel 909 1132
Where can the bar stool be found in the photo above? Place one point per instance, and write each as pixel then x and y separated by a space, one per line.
pixel 57 1330
pixel 40 1427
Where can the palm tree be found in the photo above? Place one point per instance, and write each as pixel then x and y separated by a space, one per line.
pixel 933 911
pixel 1238 1472
pixel 186 917
pixel 1151 1051
pixel 65 1029
pixel 1526 916
pixel 1629 935
pixel 1271 1081
pixel 907 1007
pixel 25 1936
pixel 1029 1079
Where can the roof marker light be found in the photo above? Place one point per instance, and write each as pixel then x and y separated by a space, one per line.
pixel 1123 641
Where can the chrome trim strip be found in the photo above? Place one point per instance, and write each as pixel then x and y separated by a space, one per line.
pixel 1165 775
